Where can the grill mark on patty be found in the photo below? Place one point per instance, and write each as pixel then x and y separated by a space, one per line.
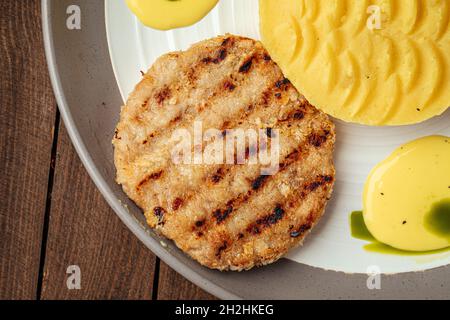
pixel 218 175
pixel 177 203
pixel 317 139
pixel 247 65
pixel 229 85
pixel 200 223
pixel 295 114
pixel 229 41
pixel 275 216
pixel 222 215
pixel 162 95
pixel 267 221
pixel 255 186
pixel 153 176
pixel 319 182
pixel 222 248
pixel 282 84
pixel 299 115
pixel 305 225
pixel 174 121
pixel 300 231
pixel 259 182
pixel 144 105
pixel 221 54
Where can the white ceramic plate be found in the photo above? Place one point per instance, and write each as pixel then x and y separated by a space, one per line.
pixel 134 47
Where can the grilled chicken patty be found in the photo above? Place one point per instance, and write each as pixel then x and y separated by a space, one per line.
pixel 227 217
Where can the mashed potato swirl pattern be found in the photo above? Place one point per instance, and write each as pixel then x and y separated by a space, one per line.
pixel 392 75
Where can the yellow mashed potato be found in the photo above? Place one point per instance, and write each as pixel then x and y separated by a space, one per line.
pixel 382 62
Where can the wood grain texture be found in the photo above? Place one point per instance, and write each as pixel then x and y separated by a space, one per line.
pixel 173 286
pixel 84 231
pixel 26 120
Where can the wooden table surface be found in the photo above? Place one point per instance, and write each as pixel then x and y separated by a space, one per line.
pixel 51 214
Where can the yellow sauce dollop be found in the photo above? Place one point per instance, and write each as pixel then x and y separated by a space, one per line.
pixel 170 14
pixel 381 62
pixel 407 197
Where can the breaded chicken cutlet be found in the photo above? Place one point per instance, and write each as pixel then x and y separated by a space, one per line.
pixel 225 216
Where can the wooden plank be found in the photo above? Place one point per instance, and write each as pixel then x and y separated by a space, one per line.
pixel 173 286
pixel 27 117
pixel 84 231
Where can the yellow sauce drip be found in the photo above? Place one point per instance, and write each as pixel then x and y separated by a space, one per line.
pixel 381 62
pixel 407 197
pixel 170 14
pixel 359 231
